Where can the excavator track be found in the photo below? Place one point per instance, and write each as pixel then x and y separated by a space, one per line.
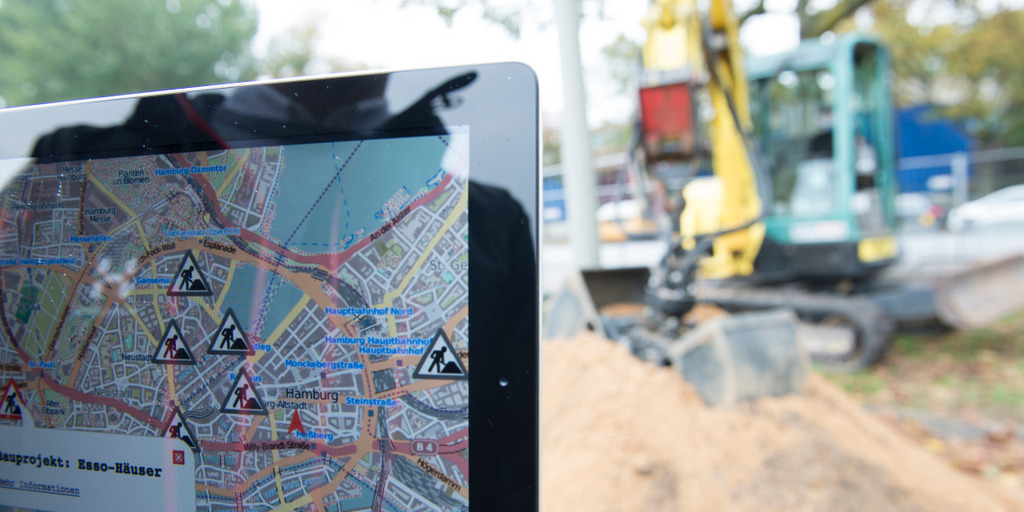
pixel 869 329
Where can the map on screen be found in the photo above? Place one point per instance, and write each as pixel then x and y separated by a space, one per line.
pixel 259 328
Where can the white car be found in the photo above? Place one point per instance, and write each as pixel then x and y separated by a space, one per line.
pixel 1000 207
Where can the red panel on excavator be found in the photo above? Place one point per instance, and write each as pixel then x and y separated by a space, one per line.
pixel 667 120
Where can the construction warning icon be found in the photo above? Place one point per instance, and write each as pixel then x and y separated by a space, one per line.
pixel 189 280
pixel 230 339
pixel 178 428
pixel 243 397
pixel 440 361
pixel 12 405
pixel 172 348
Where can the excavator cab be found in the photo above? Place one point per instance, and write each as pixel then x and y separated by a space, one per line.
pixel 822 115
pixel 797 216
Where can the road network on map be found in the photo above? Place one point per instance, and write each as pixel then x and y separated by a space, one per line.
pixel 296 321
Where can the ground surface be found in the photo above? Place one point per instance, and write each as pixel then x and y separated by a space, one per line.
pixel 622 435
pixel 936 426
pixel 959 394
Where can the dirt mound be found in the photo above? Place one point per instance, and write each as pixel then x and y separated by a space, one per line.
pixel 622 435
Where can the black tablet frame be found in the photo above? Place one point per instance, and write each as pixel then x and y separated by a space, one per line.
pixel 498 102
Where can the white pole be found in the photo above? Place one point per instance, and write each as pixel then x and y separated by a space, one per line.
pixel 958 164
pixel 577 170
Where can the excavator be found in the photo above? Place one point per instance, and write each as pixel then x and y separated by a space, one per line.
pixel 787 208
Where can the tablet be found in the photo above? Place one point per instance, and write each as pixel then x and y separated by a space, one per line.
pixel 313 294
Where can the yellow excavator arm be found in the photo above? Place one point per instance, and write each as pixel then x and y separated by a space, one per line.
pixel 703 50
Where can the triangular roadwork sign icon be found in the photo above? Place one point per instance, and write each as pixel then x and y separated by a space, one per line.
pixel 12 406
pixel 230 339
pixel 178 428
pixel 440 361
pixel 172 348
pixel 189 280
pixel 243 397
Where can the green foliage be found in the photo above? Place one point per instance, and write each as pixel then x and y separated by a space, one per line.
pixel 1006 397
pixel 813 21
pixel 988 64
pixel 612 137
pixel 623 58
pixel 866 383
pixel 53 50
pixel 293 53
pixel 909 346
pixel 551 144
pixel 967 64
pixel 981 370
pixel 508 16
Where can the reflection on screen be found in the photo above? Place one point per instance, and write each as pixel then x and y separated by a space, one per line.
pixel 259 328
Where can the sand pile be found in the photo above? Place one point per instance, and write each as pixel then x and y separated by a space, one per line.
pixel 622 435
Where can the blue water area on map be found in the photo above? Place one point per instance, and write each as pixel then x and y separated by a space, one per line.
pixel 365 499
pixel 247 293
pixel 349 199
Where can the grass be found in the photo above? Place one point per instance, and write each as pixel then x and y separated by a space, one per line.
pixel 1006 397
pixel 909 346
pixel 862 383
pixel 953 373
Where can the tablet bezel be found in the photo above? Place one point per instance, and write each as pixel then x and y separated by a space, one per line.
pixel 499 106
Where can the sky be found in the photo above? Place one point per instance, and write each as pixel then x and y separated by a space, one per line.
pixel 385 36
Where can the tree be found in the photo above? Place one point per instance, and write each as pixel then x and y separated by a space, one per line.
pixel 917 53
pixel 990 72
pixel 967 65
pixel 507 15
pixel 623 59
pixel 53 50
pixel 622 55
pixel 814 21
pixel 293 53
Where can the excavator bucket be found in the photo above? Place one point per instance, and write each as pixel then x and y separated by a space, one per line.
pixel 978 295
pixel 576 307
pixel 742 356
pixel 727 358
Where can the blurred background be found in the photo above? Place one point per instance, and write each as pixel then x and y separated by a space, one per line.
pixel 938 118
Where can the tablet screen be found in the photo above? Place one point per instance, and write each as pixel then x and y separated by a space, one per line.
pixel 250 327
